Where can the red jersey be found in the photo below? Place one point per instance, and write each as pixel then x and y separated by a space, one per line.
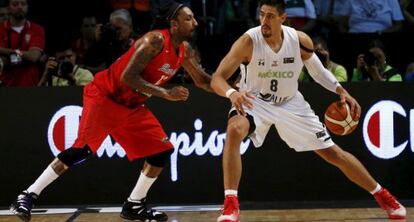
pixel 31 36
pixel 158 71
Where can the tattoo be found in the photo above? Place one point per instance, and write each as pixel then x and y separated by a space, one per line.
pixel 192 65
pixel 58 166
pixel 148 47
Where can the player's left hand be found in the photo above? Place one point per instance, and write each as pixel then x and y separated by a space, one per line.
pixel 345 97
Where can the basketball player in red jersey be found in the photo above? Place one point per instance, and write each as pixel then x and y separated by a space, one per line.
pixel 114 104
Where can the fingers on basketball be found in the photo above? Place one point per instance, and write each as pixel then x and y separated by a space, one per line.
pixel 339 120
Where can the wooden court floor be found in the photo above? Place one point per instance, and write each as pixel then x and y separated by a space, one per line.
pixel 296 215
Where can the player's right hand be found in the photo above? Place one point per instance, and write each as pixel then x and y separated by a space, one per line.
pixel 177 93
pixel 240 99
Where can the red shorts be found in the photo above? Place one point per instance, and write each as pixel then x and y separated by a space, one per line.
pixel 136 130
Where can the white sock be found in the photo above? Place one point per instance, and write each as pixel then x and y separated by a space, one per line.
pixel 230 192
pixel 141 188
pixel 47 177
pixel 377 188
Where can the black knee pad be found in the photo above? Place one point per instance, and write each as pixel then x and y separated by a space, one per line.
pixel 159 159
pixel 74 155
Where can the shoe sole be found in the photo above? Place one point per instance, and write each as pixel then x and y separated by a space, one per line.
pixel 140 220
pixel 396 217
pixel 20 215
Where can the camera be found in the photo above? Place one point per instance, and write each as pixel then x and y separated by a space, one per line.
pixel 370 58
pixel 109 34
pixel 63 69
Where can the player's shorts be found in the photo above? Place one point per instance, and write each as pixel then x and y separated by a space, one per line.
pixel 295 122
pixel 137 130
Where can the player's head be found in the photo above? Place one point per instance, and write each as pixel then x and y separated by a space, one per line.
pixel 272 16
pixel 178 18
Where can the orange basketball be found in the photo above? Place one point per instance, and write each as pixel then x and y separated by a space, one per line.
pixel 338 119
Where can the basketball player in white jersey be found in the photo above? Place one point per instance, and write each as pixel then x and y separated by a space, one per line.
pixel 271 57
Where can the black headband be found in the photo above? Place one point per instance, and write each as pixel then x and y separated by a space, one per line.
pixel 174 13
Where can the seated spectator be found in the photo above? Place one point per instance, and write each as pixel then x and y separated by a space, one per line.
pixel 371 16
pixel 372 66
pixel 112 40
pixel 409 74
pixel 62 70
pixel 86 39
pixel 332 15
pixel 301 15
pixel 322 51
pixel 21 46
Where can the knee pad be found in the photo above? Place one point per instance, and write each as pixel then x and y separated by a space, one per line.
pixel 159 159
pixel 72 155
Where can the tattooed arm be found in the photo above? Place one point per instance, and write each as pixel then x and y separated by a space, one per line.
pixel 148 47
pixel 193 67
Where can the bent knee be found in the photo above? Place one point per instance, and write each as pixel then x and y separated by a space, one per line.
pixel 238 129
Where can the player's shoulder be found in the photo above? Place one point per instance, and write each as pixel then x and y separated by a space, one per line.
pixel 305 40
pixel 153 39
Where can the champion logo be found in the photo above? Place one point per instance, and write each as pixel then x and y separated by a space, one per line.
pixel 378 129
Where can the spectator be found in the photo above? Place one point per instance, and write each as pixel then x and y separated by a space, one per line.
pixel 140 12
pixel 112 40
pixel 301 15
pixel 409 74
pixel 4 13
pixel 372 66
pixel 86 39
pixel 371 16
pixel 332 15
pixel 407 7
pixel 62 70
pixel 322 51
pixel 21 46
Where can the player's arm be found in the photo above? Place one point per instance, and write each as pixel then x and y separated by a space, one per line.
pixel 148 47
pixel 195 70
pixel 240 52
pixel 323 76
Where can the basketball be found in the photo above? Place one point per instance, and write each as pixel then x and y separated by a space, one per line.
pixel 338 119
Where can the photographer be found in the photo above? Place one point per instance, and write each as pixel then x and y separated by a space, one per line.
pixel 372 66
pixel 322 51
pixel 112 40
pixel 62 70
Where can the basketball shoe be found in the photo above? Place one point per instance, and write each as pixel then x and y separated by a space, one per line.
pixel 138 211
pixel 22 206
pixel 231 210
pixel 389 203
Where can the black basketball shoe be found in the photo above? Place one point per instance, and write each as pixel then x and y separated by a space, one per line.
pixel 138 211
pixel 23 205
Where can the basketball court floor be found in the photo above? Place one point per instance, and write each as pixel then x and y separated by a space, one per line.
pixel 209 213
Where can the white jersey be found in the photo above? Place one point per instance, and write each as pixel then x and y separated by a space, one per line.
pixel 272 76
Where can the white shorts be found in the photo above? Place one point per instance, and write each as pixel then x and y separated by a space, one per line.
pixel 295 122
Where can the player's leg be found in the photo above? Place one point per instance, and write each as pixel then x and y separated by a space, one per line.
pixel 135 207
pixel 24 203
pixel 358 174
pixel 237 130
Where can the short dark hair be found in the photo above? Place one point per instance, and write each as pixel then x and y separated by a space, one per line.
pixel 166 13
pixel 280 5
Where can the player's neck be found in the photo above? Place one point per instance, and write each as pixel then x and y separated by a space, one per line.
pixel 275 41
pixel 175 39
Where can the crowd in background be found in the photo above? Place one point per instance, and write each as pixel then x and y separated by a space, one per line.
pixel 356 40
